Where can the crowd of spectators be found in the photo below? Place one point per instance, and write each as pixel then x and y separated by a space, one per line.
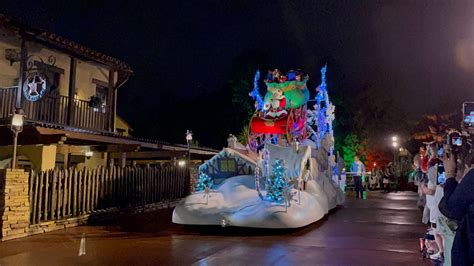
pixel 445 180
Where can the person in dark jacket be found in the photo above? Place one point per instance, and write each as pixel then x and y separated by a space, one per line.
pixel 459 199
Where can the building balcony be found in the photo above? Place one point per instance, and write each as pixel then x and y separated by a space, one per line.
pixel 55 109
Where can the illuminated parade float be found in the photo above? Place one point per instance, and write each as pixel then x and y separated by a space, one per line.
pixel 286 176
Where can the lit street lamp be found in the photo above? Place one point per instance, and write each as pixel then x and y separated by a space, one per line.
pixel 189 140
pixel 395 145
pixel 16 127
pixel 397 164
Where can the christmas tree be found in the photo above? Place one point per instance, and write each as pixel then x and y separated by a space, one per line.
pixel 204 181
pixel 277 186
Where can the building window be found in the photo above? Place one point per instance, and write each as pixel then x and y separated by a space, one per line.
pixel 227 165
pixel 101 93
pixel 52 74
pixel 52 82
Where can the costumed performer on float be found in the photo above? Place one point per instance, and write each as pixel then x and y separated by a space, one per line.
pixel 276 107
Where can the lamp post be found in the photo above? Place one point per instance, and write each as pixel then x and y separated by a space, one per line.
pixel 402 154
pixel 396 164
pixel 189 140
pixel 395 146
pixel 16 127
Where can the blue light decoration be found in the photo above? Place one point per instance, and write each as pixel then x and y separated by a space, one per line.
pixel 278 183
pixel 257 178
pixel 274 139
pixel 322 100
pixel 323 114
pixel 321 96
pixel 266 167
pixel 325 117
pixel 255 94
pixel 335 170
pixel 204 181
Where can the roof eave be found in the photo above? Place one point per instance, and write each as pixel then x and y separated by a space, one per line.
pixel 66 45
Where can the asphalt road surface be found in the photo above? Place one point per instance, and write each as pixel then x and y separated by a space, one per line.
pixel 380 230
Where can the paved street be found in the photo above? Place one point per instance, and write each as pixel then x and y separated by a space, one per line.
pixel 383 229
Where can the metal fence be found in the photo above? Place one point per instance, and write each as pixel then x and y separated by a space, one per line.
pixel 66 193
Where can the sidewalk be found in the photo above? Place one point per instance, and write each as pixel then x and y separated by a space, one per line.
pixel 383 229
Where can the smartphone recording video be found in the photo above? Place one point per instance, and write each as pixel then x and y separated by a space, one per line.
pixel 456 141
pixel 440 150
pixel 441 174
pixel 468 115
pixel 441 178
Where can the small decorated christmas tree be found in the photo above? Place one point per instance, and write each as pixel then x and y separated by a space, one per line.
pixel 277 184
pixel 204 181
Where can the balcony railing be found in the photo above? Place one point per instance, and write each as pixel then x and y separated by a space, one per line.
pixel 54 109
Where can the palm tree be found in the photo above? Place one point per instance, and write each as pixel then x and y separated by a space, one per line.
pixel 243 135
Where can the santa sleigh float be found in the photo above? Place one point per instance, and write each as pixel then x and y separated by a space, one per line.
pixel 283 186
pixel 282 118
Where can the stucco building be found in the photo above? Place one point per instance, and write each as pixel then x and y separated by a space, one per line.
pixel 68 94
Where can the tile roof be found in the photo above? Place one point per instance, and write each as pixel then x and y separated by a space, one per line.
pixel 63 43
pixel 116 135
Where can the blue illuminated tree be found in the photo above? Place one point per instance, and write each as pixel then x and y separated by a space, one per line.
pixel 204 181
pixel 278 184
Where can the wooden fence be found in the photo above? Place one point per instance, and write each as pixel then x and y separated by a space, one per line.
pixel 59 194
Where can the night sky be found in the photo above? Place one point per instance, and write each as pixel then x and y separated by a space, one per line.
pixel 419 52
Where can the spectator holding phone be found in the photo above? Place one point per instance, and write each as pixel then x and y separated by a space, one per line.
pixel 458 200
pixel 433 194
pixel 420 181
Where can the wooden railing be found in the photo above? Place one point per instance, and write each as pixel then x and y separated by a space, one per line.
pixel 54 109
pixel 7 101
pixel 87 117
pixel 51 109
pixel 59 194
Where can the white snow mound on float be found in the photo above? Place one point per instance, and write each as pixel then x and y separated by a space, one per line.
pixel 236 200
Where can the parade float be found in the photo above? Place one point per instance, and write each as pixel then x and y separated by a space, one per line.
pixel 286 176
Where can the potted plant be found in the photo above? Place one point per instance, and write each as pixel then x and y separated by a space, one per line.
pixel 95 102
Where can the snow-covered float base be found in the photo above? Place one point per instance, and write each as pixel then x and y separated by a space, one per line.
pixel 236 200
